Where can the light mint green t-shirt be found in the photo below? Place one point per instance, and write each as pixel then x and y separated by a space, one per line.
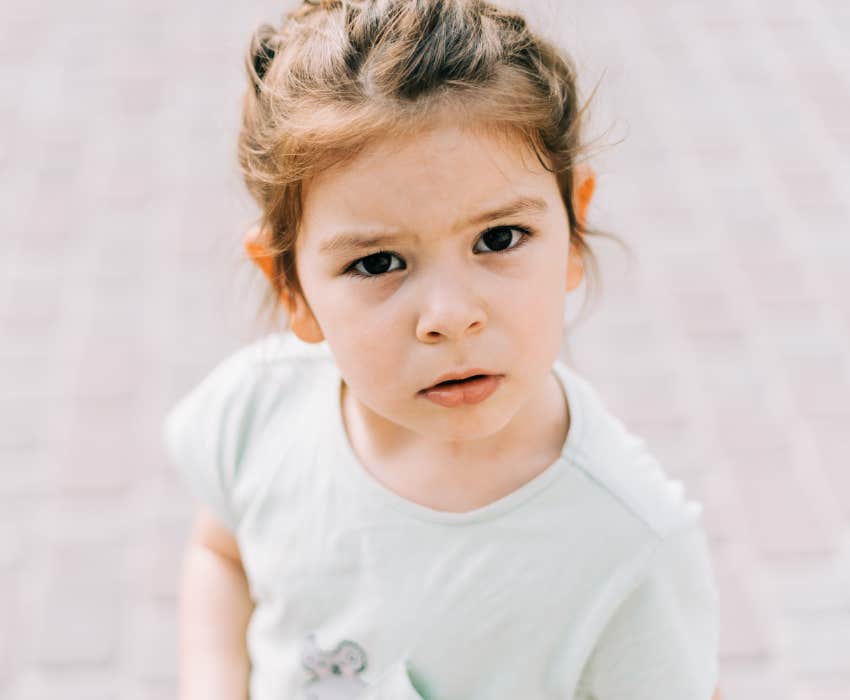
pixel 594 580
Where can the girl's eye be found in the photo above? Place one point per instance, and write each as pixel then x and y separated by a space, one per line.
pixel 374 265
pixel 498 239
pixel 502 237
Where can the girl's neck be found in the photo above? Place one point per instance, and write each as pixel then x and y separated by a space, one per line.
pixel 475 471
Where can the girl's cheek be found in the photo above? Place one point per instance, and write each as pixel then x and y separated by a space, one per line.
pixel 368 293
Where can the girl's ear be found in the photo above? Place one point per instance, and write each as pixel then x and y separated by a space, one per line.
pixel 301 318
pixel 575 268
pixel 583 186
pixel 303 322
pixel 254 243
pixel 255 246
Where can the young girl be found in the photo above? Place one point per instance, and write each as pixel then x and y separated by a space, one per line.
pixel 407 494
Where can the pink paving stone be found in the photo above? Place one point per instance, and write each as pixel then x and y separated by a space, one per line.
pixel 70 683
pixel 705 313
pixel 813 585
pixel 154 563
pixel 761 461
pixel 819 690
pixel 101 454
pixel 109 370
pixel 820 644
pixel 754 681
pixel 785 521
pixel 718 354
pixel 694 276
pixel 14 541
pixel 722 507
pixel 820 384
pixel 676 446
pixel 32 313
pixel 773 278
pixel 795 339
pixel 80 622
pixel 836 264
pixel 743 634
pixel 153 638
pixel 646 397
pixel 799 314
pixel 649 427
pixel 21 424
pixel 79 521
pixel 96 462
pixel 9 582
pixel 744 437
pixel 153 690
pixel 831 435
pixel 843 309
pixel 737 396
pixel 811 188
pixel 29 472
pixel 632 354
pixel 107 413
pixel 794 336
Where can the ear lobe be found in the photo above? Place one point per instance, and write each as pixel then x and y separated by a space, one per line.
pixel 303 322
pixel 259 253
pixel 254 246
pixel 301 319
pixel 575 268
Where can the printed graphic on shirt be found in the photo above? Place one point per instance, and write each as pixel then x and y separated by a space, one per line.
pixel 334 673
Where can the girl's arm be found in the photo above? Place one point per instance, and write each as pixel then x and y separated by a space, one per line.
pixel 214 610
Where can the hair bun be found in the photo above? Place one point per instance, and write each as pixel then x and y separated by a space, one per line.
pixel 262 54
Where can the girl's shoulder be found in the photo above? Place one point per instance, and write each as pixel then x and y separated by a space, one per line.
pixel 268 362
pixel 257 379
pixel 212 429
pixel 276 350
pixel 622 465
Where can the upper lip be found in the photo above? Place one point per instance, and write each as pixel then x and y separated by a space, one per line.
pixel 459 374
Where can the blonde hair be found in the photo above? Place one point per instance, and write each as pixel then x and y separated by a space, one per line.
pixel 337 75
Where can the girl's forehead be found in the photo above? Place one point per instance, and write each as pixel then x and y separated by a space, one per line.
pixel 445 144
pixel 449 161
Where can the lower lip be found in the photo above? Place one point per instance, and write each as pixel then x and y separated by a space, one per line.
pixel 473 391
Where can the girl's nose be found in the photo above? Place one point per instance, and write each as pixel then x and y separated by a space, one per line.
pixel 449 310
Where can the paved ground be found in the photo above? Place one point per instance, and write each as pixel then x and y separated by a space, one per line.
pixel 724 340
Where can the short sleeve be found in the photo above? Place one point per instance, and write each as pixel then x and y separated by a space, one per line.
pixel 662 641
pixel 205 434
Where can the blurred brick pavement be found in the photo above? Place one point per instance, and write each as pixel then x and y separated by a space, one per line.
pixel 724 341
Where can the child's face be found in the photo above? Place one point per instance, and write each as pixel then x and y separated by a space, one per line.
pixel 445 297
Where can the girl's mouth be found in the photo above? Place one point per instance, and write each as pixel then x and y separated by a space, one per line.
pixel 458 392
pixel 453 382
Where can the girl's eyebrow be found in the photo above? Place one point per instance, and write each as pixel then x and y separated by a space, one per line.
pixel 349 241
